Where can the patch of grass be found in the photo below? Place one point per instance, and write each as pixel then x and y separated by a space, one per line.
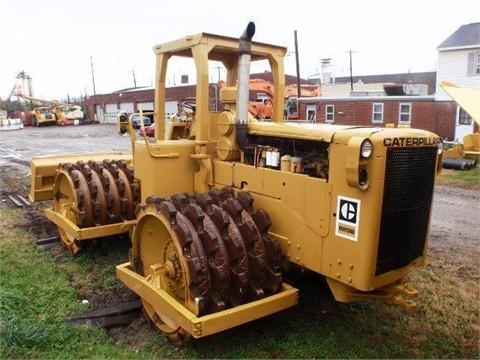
pixel 36 298
pixel 448 304
pixel 467 179
pixel 17 330
pixel 39 290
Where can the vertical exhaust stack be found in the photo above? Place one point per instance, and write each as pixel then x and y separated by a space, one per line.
pixel 244 56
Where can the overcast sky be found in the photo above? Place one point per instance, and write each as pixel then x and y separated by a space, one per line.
pixel 53 41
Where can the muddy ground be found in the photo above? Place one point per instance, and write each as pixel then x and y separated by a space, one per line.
pixel 455 220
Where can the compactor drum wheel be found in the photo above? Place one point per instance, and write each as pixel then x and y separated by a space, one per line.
pixel 210 252
pixel 92 194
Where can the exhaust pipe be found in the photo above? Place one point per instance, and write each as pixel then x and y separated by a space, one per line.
pixel 243 87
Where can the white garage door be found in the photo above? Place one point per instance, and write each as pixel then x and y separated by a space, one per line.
pixel 171 108
pixel 111 113
pixel 127 107
pixel 146 106
pixel 111 108
pixel 99 113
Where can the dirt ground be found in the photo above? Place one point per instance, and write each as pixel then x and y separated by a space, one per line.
pixel 455 226
pixel 17 147
pixel 456 217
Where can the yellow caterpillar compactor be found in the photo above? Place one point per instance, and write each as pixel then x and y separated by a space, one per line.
pixel 218 203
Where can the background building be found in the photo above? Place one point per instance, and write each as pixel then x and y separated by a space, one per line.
pixel 105 107
pixel 367 104
pixel 419 83
pixel 422 112
pixel 413 99
pixel 459 63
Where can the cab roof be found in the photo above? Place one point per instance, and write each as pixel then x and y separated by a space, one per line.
pixel 221 46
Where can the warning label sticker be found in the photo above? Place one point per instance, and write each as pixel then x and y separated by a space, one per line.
pixel 348 217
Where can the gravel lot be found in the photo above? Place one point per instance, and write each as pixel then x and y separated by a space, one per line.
pixel 19 146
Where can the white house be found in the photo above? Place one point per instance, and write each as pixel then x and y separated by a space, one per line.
pixel 459 63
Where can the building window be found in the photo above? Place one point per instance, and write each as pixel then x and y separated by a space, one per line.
pixel 291 106
pixel 377 113
pixel 464 118
pixel 311 113
pixel 330 113
pixel 473 66
pixel 405 112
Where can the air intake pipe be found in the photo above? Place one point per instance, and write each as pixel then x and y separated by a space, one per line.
pixel 243 87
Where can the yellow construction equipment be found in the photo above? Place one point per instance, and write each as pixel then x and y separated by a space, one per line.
pixel 466 154
pixel 43 115
pixel 224 204
pixel 55 113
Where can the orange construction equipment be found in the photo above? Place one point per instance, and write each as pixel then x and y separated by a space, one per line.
pixel 261 95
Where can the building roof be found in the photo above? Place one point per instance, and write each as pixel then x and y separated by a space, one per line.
pixel 289 79
pixel 429 78
pixel 383 98
pixel 174 92
pixel 138 88
pixel 466 36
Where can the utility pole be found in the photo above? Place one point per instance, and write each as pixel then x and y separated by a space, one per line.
pixel 299 91
pixel 134 80
pixel 93 76
pixel 218 70
pixel 351 71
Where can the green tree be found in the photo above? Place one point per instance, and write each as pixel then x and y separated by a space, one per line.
pixel 11 106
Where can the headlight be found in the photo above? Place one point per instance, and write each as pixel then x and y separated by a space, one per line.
pixel 366 149
pixel 440 147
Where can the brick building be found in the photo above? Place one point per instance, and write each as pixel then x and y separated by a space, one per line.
pixel 105 107
pixel 422 112
pixel 458 62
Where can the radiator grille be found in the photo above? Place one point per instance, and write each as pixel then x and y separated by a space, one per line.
pixel 407 200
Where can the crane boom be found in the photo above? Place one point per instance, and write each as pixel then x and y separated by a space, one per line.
pixel 55 103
